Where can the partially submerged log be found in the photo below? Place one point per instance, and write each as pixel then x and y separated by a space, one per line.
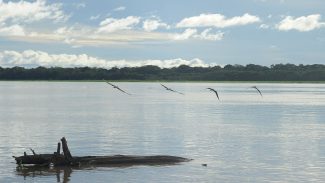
pixel 66 159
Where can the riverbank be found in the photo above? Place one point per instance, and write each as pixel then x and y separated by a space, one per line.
pixel 164 81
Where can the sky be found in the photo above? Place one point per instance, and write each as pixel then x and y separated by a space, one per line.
pixel 166 33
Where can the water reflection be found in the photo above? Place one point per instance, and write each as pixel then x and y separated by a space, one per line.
pixel 61 173
pixel 64 173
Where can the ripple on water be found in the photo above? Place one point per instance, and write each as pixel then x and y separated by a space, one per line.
pixel 242 138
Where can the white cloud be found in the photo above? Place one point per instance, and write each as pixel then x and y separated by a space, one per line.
pixel 110 31
pixel 112 25
pixel 95 17
pixel 188 33
pixel 204 35
pixel 25 11
pixel 217 20
pixel 264 26
pixel 31 58
pixel 13 30
pixel 302 24
pixel 153 24
pixel 63 30
pixel 121 8
pixel 79 35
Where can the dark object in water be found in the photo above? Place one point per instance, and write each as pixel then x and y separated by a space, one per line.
pixel 116 87
pixel 259 91
pixel 169 89
pixel 66 159
pixel 215 91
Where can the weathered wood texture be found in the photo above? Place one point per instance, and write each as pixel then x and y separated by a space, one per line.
pixel 66 159
pixel 66 151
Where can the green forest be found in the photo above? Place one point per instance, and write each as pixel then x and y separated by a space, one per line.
pixel 250 72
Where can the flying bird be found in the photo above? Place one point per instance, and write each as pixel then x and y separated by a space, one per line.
pixel 169 89
pixel 116 87
pixel 215 91
pixel 257 90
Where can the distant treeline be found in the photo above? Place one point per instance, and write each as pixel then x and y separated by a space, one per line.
pixel 250 72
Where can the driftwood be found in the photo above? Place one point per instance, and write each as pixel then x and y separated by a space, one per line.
pixel 66 159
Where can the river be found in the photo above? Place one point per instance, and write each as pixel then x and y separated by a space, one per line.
pixel 243 137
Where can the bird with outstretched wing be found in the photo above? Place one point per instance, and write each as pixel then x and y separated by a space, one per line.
pixel 118 88
pixel 215 91
pixel 169 89
pixel 257 90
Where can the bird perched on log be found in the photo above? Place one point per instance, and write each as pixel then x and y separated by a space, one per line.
pixel 215 91
pixel 257 90
pixel 169 89
pixel 118 88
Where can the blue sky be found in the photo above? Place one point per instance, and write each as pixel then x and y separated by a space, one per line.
pixel 164 33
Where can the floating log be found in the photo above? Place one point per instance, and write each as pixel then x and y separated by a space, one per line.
pixel 66 159
pixel 37 159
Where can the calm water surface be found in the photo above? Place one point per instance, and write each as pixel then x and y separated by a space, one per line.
pixel 244 137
